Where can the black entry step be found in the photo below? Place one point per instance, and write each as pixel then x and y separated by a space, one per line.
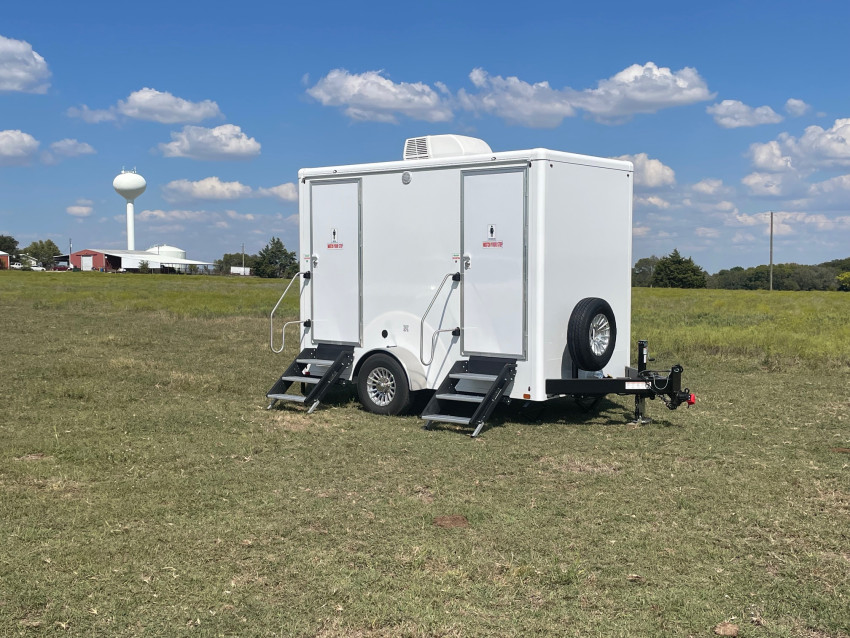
pixel 483 382
pixel 316 362
pixel 297 398
pixel 469 398
pixel 301 378
pixel 447 418
pixel 472 376
pixel 333 357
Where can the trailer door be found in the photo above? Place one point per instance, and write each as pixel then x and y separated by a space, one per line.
pixel 335 264
pixel 493 270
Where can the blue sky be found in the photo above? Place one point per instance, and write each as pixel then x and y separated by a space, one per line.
pixel 728 109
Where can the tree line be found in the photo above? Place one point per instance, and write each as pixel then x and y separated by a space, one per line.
pixel 272 261
pixel 676 271
pixel 41 252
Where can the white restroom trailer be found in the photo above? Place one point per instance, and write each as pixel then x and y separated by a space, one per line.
pixel 481 275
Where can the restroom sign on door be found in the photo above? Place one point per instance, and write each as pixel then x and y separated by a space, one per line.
pixel 335 243
pixel 491 241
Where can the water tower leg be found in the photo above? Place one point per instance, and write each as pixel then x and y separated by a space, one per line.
pixel 131 227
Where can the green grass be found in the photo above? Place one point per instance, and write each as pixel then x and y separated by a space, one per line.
pixel 147 491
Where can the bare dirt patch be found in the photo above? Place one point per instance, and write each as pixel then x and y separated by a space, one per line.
pixel 450 522
pixel 36 456
pixel 424 494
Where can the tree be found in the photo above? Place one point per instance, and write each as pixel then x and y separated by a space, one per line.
pixel 223 265
pixel 844 281
pixel 642 271
pixel 43 251
pixel 9 244
pixel 675 271
pixel 275 261
pixel 144 267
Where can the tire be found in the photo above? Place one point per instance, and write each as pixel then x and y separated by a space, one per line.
pixel 382 385
pixel 592 334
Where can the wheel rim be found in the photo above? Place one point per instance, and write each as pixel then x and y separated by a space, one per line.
pixel 380 384
pixel 600 334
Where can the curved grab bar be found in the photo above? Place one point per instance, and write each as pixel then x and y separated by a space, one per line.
pixel 289 323
pixel 455 277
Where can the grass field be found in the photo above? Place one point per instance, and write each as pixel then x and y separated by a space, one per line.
pixel 147 491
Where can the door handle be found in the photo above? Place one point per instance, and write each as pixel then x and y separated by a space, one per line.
pixel 467 261
pixel 314 258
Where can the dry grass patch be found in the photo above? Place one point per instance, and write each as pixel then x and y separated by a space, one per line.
pixel 572 465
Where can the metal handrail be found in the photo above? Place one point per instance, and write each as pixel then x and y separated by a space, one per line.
pixel 288 323
pixel 455 277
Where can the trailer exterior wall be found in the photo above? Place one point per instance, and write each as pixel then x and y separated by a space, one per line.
pixel 578 215
pixel 586 232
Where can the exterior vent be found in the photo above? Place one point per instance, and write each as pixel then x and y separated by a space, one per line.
pixel 437 146
pixel 416 148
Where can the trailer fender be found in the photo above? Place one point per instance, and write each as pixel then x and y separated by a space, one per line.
pixel 414 370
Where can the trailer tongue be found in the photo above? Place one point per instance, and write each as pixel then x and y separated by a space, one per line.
pixel 476 276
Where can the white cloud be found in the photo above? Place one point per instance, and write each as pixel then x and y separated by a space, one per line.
pixel 708 187
pixel 709 233
pixel 643 89
pixel 640 231
pixel 153 106
pixel 636 89
pixel 743 219
pixel 287 192
pixel 774 184
pixel 157 106
pixel 92 116
pixel 796 108
pixel 207 188
pixel 816 148
pixel 159 215
pixel 536 105
pixel 21 68
pixel 735 114
pixel 82 208
pixel 650 173
pixel 212 188
pixel 743 238
pixel 830 147
pixel 840 184
pixel 232 214
pixel 220 143
pixel 371 96
pixel 652 200
pixel 17 147
pixel 769 157
pixel 66 148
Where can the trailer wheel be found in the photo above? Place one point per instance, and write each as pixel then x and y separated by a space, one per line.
pixel 592 334
pixel 382 385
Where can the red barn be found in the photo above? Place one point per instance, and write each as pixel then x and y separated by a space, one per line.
pixel 88 260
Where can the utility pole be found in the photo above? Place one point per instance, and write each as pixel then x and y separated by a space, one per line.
pixel 771 250
pixel 243 257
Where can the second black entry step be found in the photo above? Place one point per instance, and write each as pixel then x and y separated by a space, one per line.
pixel 318 369
pixel 470 392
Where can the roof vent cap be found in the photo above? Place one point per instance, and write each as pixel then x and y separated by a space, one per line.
pixel 437 146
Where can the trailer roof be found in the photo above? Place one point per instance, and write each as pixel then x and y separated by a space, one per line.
pixel 529 155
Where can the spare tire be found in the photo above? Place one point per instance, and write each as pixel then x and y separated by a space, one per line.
pixel 592 334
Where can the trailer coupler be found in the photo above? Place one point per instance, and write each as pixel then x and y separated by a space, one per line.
pixel 642 383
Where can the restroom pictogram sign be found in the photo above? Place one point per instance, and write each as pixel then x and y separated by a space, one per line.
pixel 335 242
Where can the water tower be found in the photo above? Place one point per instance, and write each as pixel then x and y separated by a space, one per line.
pixel 129 184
